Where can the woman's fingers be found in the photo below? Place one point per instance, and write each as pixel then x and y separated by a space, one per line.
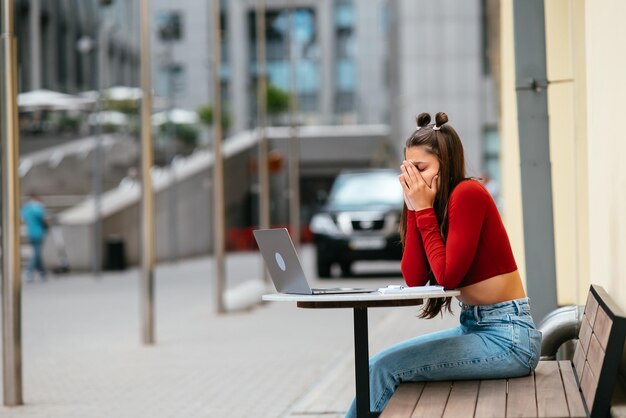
pixel 402 179
pixel 422 179
pixel 435 184
pixel 413 173
pixel 405 192
pixel 406 177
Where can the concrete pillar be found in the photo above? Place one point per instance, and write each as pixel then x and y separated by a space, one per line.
pixel 239 65
pixel 81 16
pixel 130 44
pixel 371 45
pixel 326 33
pixel 70 45
pixel 52 57
pixel 394 102
pixel 35 44
pixel 115 62
pixel 102 60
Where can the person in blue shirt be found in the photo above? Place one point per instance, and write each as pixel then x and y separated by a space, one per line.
pixel 36 219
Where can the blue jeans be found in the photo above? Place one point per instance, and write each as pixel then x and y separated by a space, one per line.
pixel 492 342
pixel 36 261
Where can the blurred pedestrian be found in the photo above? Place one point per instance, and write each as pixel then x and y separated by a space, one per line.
pixel 37 223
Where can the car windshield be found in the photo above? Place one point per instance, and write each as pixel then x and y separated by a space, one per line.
pixel 364 189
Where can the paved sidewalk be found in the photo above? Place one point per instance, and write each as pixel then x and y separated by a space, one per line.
pixel 82 355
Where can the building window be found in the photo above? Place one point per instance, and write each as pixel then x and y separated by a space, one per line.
pixel 170 25
pixel 304 41
pixel 484 35
pixel 171 81
pixel 491 161
pixel 345 69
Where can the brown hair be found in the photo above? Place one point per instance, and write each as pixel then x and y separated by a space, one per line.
pixel 442 141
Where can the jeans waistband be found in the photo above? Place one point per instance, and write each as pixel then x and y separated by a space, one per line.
pixel 515 306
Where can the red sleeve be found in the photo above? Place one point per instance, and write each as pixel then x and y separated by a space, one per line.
pixel 451 261
pixel 414 263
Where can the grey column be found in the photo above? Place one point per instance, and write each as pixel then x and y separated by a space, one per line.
pixel 395 75
pixel 534 142
pixel 129 45
pixel 35 44
pixel 85 59
pixel 103 54
pixel 239 65
pixel 52 57
pixel 326 33
pixel 370 62
pixel 70 44
pixel 11 266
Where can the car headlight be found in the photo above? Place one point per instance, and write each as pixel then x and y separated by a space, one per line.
pixel 322 223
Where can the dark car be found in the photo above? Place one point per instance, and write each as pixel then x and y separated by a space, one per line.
pixel 359 221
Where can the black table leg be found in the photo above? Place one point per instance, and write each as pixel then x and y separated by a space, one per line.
pixel 361 360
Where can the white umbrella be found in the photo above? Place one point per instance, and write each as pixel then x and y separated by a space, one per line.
pixel 90 94
pixel 108 117
pixel 51 100
pixel 178 116
pixel 123 93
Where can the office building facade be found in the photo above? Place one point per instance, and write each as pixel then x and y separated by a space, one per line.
pixel 63 44
pixel 355 62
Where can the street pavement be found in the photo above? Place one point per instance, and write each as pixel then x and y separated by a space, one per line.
pixel 83 356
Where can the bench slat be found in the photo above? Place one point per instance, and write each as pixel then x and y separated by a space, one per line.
pixel 462 400
pixel 595 356
pixel 591 307
pixel 602 328
pixel 588 384
pixel 551 401
pixel 403 402
pixel 491 401
pixel 521 401
pixel 584 335
pixel 579 360
pixel 433 401
pixel 574 401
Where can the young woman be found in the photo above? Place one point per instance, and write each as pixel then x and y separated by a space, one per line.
pixel 453 236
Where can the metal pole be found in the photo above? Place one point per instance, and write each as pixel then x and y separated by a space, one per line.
pixel 294 142
pixel 219 252
pixel 97 174
pixel 173 214
pixel 147 195
pixel 11 267
pixel 263 169
pixel 361 359
pixel 534 142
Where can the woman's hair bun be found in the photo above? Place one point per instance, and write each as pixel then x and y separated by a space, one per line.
pixel 441 118
pixel 423 119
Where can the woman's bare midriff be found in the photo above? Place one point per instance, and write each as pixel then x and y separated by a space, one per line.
pixel 493 290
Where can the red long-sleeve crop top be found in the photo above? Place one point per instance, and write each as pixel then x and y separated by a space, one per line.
pixel 477 246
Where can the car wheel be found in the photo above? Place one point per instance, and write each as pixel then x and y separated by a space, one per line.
pixel 346 268
pixel 323 268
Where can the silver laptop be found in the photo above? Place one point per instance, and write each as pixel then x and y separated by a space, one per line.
pixel 284 265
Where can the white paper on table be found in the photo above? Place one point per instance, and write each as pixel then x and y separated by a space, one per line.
pixel 395 289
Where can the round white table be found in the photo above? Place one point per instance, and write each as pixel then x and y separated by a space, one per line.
pixel 359 302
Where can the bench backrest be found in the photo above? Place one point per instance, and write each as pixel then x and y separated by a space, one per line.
pixel 599 350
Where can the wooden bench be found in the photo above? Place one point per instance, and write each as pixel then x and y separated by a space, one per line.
pixel 582 387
